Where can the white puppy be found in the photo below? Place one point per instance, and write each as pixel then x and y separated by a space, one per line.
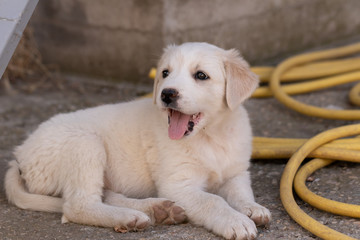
pixel 191 145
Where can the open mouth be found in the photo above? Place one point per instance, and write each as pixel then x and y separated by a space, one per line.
pixel 181 124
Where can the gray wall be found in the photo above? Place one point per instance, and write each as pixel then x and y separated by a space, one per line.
pixel 122 39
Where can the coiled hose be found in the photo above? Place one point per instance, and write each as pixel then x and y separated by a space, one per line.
pixel 320 146
pixel 324 147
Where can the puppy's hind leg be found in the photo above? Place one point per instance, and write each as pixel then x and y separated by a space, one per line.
pixel 84 187
pixel 160 210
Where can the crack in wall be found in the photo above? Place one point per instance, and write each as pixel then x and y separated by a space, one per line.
pixel 9 19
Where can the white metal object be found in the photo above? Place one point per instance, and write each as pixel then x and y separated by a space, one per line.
pixel 14 15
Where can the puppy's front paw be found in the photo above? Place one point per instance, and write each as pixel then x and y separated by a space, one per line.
pixel 236 226
pixel 136 223
pixel 166 212
pixel 259 214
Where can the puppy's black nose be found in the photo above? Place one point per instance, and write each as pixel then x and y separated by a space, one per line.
pixel 169 95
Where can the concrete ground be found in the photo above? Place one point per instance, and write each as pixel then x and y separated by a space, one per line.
pixel 22 112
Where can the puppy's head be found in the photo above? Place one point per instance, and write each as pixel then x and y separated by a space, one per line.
pixel 196 82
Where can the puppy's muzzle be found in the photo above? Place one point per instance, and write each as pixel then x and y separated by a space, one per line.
pixel 169 96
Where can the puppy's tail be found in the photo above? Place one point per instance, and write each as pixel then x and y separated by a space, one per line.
pixel 19 196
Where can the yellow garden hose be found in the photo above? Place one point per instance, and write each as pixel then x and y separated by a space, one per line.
pixel 284 98
pixel 283 148
pixel 305 87
pixel 323 72
pixel 339 208
pixel 354 95
pixel 311 70
pixel 286 184
pixel 315 146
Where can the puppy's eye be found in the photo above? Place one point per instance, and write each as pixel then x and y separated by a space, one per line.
pixel 165 73
pixel 201 76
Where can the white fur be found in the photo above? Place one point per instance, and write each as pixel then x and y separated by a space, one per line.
pixel 88 164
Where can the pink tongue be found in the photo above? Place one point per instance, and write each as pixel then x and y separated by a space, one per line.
pixel 178 125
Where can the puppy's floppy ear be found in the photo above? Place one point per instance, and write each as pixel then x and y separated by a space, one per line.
pixel 240 81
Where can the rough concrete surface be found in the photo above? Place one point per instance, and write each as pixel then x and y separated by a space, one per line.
pixel 21 113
